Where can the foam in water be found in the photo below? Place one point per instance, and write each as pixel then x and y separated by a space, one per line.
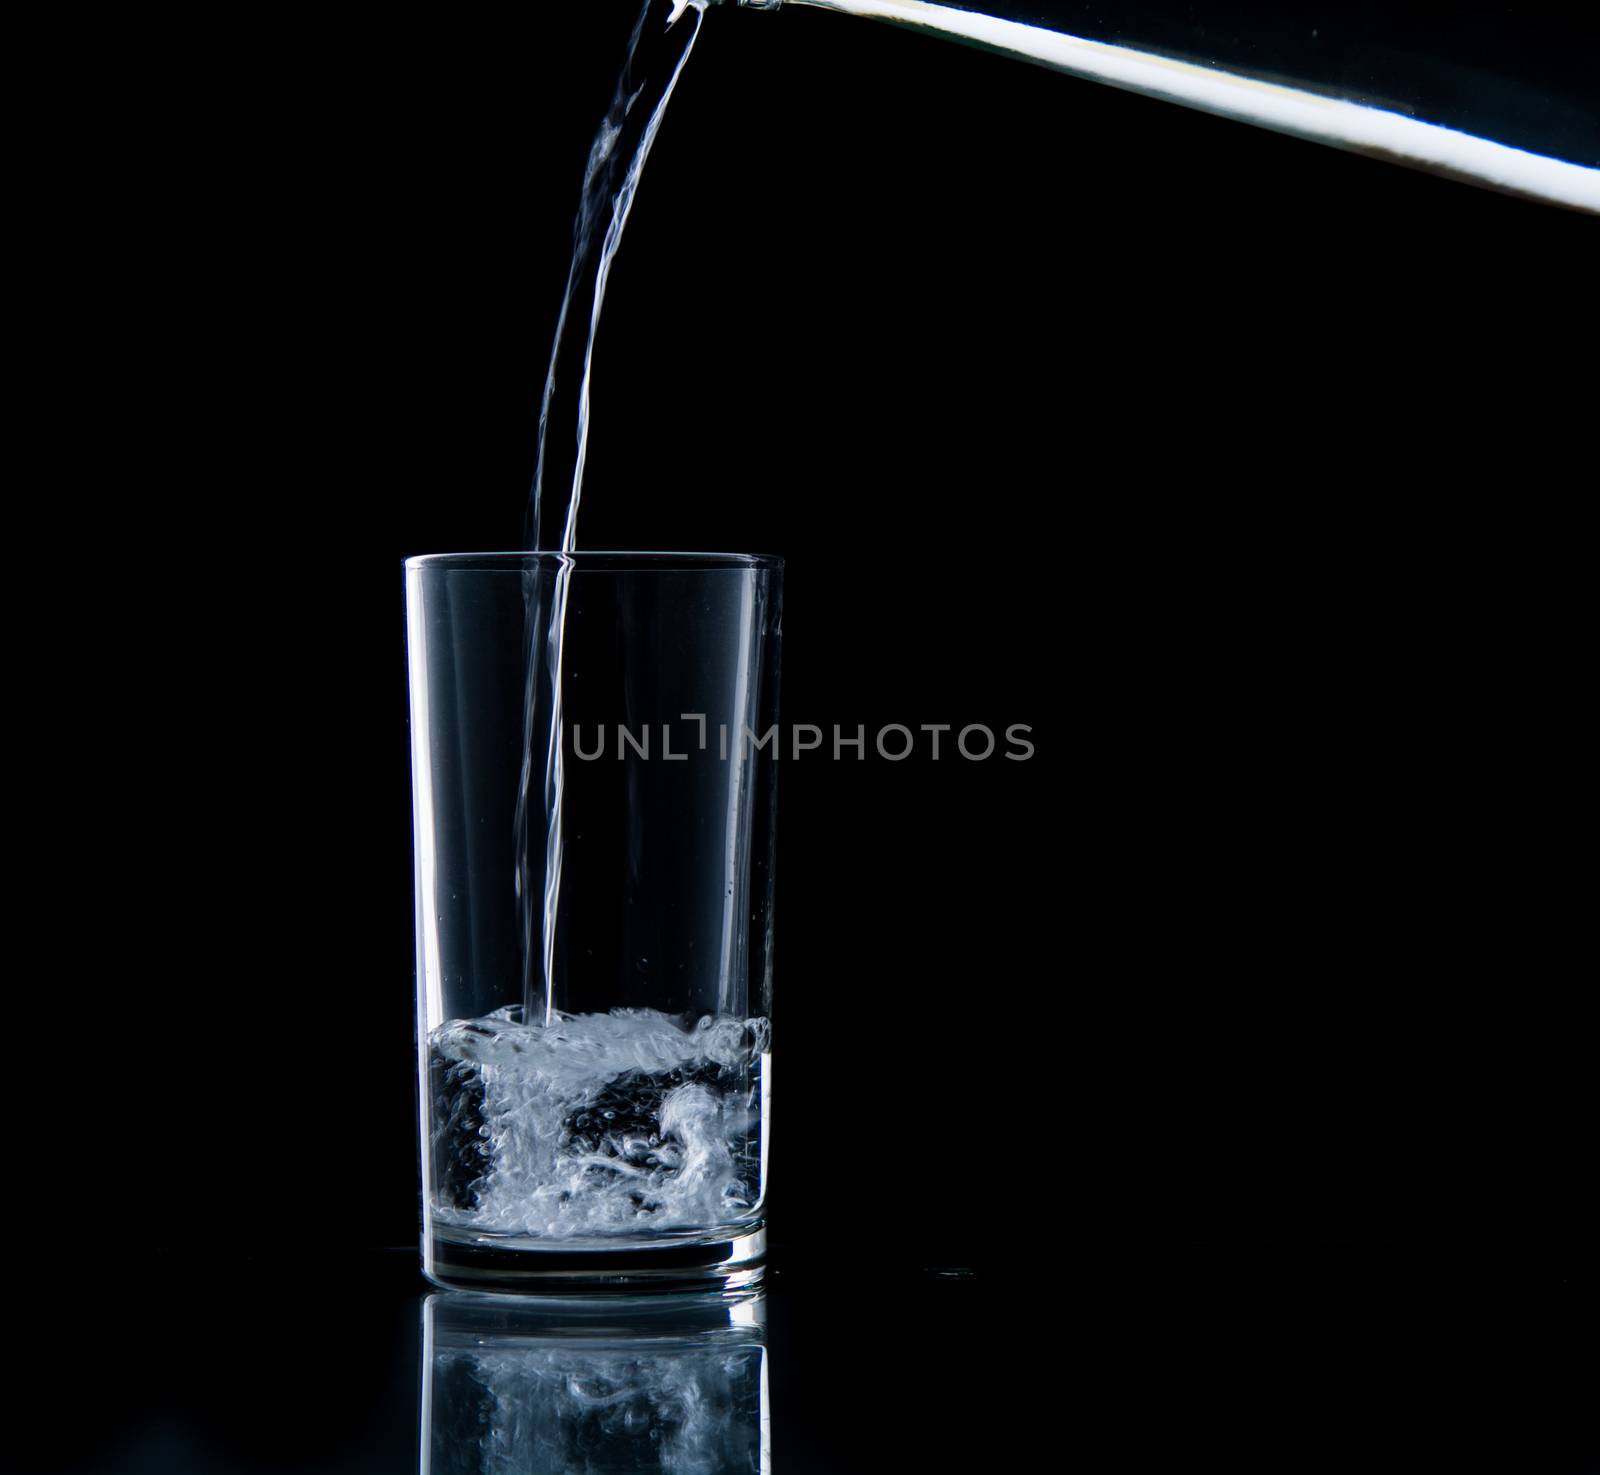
pixel 596 1124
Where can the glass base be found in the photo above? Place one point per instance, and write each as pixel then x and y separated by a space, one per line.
pixel 730 1262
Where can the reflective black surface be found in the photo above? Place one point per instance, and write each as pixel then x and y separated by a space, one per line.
pixel 1226 1359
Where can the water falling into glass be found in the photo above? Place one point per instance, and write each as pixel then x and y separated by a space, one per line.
pixel 658 49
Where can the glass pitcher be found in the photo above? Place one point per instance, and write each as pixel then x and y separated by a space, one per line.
pixel 1501 95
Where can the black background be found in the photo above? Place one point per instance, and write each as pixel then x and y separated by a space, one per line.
pixel 1246 472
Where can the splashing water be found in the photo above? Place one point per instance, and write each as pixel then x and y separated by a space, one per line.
pixel 596 1124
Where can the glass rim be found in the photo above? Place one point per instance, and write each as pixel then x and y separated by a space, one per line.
pixel 598 558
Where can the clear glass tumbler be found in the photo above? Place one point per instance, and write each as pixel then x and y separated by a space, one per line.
pixel 594 749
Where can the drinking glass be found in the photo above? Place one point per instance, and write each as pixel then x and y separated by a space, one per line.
pixel 594 758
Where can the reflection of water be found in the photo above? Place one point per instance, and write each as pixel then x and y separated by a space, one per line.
pixel 598 1386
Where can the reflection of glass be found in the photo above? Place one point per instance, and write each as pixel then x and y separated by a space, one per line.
pixel 594 1386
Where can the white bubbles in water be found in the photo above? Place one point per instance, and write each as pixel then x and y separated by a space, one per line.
pixel 596 1124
